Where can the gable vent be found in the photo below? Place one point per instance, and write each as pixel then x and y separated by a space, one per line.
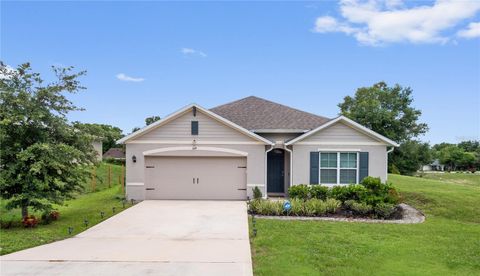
pixel 194 127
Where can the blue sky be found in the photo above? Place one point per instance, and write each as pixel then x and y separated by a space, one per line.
pixel 152 58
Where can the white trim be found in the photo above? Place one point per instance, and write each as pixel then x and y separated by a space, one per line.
pixel 386 160
pixel 341 143
pixel 135 184
pixel 341 150
pixel 291 168
pixel 255 185
pixel 266 172
pixel 173 142
pixel 338 168
pixel 184 110
pixel 348 122
pixel 161 150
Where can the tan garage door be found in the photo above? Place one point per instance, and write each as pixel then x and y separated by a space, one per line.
pixel 195 177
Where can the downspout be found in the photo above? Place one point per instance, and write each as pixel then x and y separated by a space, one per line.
pixel 266 152
pixel 386 171
pixel 291 166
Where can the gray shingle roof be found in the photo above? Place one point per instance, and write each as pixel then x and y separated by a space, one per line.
pixel 116 153
pixel 254 113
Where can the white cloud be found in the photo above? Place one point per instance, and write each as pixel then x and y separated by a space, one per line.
pixel 124 77
pixel 193 52
pixel 377 22
pixel 472 31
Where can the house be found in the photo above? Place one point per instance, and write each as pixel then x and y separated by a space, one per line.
pixel 98 147
pixel 434 166
pixel 114 153
pixel 224 152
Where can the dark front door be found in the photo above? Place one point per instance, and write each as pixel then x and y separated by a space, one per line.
pixel 275 171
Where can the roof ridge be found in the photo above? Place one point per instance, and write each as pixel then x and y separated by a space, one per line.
pixel 272 102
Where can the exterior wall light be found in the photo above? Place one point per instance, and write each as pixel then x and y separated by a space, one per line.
pixel 134 159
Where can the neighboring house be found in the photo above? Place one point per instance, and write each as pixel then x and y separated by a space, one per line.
pixel 434 166
pixel 224 152
pixel 114 153
pixel 97 145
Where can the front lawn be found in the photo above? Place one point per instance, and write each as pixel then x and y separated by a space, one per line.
pixel 86 206
pixel 461 178
pixel 447 243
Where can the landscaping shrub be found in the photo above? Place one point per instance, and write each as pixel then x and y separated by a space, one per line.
pixel 319 192
pixel 339 192
pixel 384 210
pixel 332 205
pixel 299 191
pixel 297 207
pixel 257 193
pixel 30 221
pixel 50 216
pixel 358 208
pixel 266 207
pixel 310 207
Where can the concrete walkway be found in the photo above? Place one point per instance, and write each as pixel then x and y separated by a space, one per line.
pixel 168 237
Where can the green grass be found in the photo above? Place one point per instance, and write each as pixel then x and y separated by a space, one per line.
pixel 448 243
pixel 457 178
pixel 72 214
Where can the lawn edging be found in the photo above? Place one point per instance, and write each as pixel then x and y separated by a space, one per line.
pixel 410 215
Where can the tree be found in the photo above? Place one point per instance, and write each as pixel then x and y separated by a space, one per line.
pixel 470 146
pixel 411 155
pixel 453 157
pixel 107 133
pixel 152 119
pixel 44 158
pixel 389 111
pixel 386 110
pixel 148 121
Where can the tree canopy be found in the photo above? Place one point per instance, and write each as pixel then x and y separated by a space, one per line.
pixel 44 158
pixel 386 110
pixel 389 111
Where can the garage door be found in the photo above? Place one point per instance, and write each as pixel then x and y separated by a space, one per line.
pixel 195 178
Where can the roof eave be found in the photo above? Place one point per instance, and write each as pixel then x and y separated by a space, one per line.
pixel 354 124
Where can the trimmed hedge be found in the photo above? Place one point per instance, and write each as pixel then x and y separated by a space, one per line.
pixel 371 191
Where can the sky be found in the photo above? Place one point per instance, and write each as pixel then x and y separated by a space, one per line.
pixel 153 58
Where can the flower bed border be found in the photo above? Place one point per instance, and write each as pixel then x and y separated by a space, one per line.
pixel 410 215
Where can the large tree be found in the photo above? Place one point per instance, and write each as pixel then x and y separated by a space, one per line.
pixel 44 159
pixel 386 110
pixel 410 156
pixel 389 111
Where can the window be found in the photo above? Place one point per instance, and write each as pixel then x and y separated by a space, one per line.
pixel 338 167
pixel 328 168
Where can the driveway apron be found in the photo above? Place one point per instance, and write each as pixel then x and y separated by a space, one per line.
pixel 155 237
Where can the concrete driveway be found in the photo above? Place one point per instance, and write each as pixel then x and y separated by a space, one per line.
pixel 169 237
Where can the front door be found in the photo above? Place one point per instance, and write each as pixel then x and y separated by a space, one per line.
pixel 276 171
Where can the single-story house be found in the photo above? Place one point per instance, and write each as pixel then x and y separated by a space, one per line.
pixel 226 151
pixel 114 153
pixel 434 166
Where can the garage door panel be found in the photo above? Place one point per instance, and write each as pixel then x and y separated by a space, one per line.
pixel 195 178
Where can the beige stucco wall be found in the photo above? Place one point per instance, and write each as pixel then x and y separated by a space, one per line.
pixel 177 133
pixel 377 164
pixel 342 138
pixel 340 133
pixel 209 130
